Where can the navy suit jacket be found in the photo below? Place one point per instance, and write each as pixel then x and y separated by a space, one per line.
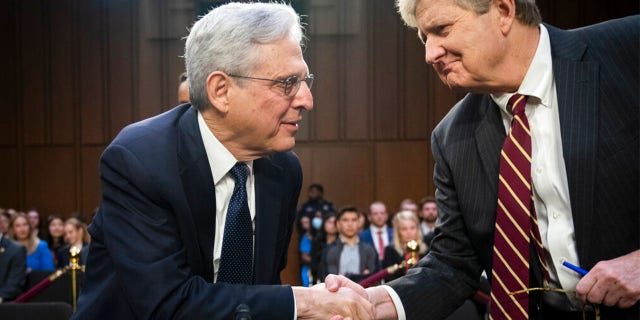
pixel 13 268
pixel 596 73
pixel 151 254
pixel 366 237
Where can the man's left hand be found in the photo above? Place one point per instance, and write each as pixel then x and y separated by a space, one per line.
pixel 614 282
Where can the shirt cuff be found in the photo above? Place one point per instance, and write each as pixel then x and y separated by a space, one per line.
pixel 396 302
pixel 295 306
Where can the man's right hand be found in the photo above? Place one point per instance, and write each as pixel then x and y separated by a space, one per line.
pixel 383 306
pixel 336 302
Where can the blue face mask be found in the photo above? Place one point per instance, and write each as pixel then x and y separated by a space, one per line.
pixel 316 223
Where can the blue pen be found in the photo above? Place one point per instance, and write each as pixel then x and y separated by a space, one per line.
pixel 575 268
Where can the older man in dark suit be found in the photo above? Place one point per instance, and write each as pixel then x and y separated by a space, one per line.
pixel 579 91
pixel 198 203
pixel 13 268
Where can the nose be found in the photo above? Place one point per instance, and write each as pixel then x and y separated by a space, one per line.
pixel 303 98
pixel 433 51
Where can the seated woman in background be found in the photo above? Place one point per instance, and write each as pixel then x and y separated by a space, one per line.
pixel 325 236
pixel 55 237
pixel 76 235
pixel 38 255
pixel 406 227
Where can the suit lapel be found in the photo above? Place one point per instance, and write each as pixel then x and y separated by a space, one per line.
pixel 198 187
pixel 268 189
pixel 577 90
pixel 490 136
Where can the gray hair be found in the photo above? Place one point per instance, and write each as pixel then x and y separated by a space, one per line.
pixel 526 10
pixel 227 39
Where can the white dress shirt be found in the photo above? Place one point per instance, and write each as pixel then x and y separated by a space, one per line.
pixel 220 162
pixel 385 237
pixel 548 172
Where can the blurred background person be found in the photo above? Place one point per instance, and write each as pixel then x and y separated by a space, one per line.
pixel 378 234
pixel 5 219
pixel 76 235
pixel 409 205
pixel 13 258
pixel 34 222
pixel 305 232
pixel 348 255
pixel 38 255
pixel 428 215
pixel 406 227
pixel 315 202
pixel 55 237
pixel 325 236
pixel 183 88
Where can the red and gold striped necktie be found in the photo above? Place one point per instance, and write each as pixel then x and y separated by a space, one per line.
pixel 516 223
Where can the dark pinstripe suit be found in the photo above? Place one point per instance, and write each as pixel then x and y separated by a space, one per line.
pixel 596 73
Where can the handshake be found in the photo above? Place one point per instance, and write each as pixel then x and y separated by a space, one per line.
pixel 340 298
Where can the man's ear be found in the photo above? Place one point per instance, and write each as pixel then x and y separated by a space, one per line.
pixel 506 11
pixel 217 87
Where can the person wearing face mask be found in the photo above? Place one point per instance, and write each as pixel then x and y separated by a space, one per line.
pixel 316 222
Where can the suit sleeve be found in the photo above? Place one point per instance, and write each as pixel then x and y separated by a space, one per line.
pixel 16 274
pixel 451 268
pixel 139 231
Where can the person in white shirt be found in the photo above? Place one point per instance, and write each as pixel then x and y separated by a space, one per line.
pixel 379 235
pixel 582 88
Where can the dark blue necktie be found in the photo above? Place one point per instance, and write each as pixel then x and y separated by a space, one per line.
pixel 236 260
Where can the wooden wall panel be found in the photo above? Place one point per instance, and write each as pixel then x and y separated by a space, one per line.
pixel 325 115
pixel 10 168
pixel 33 44
pixel 92 73
pixel 49 177
pixel 62 67
pixel 386 45
pixel 343 169
pixel 414 89
pixel 401 172
pixel 121 61
pixel 10 80
pixel 356 70
pixel 89 186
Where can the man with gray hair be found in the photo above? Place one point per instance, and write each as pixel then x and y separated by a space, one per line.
pixel 198 203
pixel 520 199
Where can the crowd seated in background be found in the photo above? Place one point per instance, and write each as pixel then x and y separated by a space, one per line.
pixel 348 255
pixel 25 259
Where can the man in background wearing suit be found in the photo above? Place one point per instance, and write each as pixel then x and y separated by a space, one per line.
pixel 583 115
pixel 13 268
pixel 158 240
pixel 379 235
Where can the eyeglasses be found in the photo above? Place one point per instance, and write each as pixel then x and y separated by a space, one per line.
pixel 291 84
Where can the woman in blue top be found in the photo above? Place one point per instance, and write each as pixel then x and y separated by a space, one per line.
pixel 304 229
pixel 38 255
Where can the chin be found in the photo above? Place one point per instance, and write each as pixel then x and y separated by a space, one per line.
pixel 284 145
